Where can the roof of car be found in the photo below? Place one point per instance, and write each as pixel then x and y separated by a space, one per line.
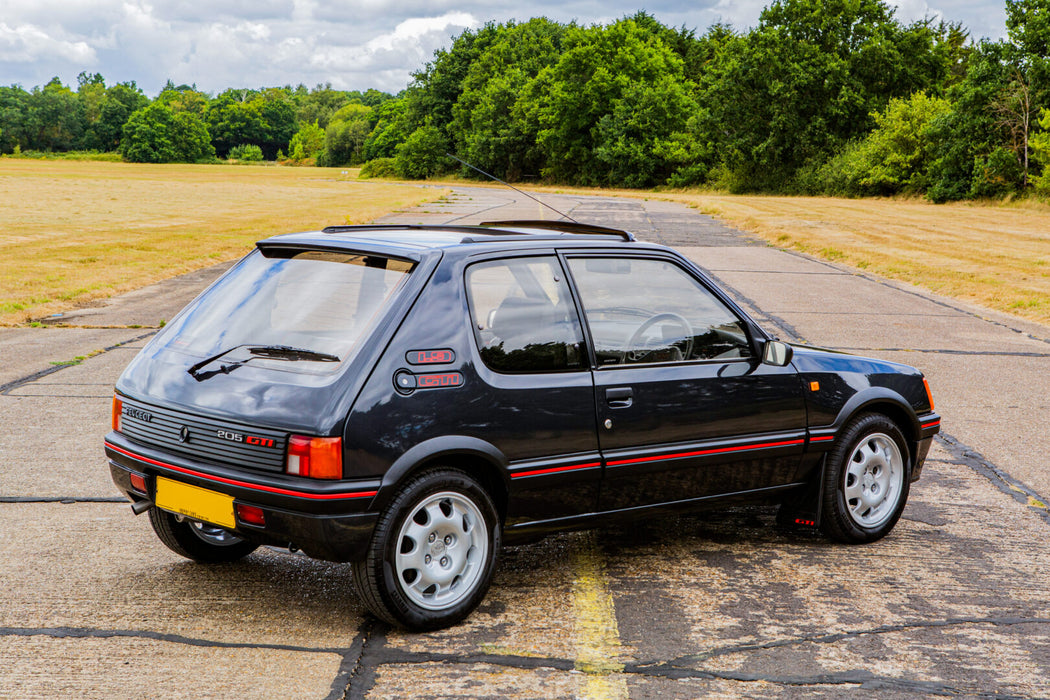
pixel 408 238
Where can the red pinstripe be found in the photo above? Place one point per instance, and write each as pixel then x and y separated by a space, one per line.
pixel 244 484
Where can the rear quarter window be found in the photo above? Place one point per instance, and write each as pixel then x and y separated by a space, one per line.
pixel 523 316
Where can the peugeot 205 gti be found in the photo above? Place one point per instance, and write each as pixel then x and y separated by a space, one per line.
pixel 409 398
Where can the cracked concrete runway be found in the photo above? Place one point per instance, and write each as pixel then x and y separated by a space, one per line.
pixel 955 602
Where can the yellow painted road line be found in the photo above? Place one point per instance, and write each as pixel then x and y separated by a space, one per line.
pixel 597 635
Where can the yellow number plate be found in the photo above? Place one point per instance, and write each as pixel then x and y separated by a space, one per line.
pixel 194 502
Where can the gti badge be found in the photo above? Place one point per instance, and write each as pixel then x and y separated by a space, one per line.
pixel 184 434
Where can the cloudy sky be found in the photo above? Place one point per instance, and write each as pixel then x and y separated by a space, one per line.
pixel 353 44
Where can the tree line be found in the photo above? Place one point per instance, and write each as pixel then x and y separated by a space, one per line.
pixel 822 96
pixel 184 124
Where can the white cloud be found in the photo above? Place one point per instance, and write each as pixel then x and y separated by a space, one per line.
pixel 353 44
pixel 417 28
pixel 27 43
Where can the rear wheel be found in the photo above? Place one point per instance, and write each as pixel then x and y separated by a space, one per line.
pixel 433 552
pixel 198 541
pixel 866 480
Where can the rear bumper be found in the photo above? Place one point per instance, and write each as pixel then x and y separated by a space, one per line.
pixel 929 425
pixel 327 520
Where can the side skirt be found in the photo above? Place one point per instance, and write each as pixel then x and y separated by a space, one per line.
pixel 532 529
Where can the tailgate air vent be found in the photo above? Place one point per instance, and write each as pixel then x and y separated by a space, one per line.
pixel 206 439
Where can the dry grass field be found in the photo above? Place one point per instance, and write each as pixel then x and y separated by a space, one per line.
pixel 71 232
pixel 995 255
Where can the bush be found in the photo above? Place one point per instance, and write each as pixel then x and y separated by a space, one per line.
pixel 247 152
pixel 894 158
pixel 65 155
pixel 379 167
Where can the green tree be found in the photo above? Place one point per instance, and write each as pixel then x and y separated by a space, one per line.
pixel 805 82
pixel 318 105
pixel 308 142
pixel 965 137
pixel 184 98
pixel 56 119
pixel 391 128
pixel 895 157
pixel 601 68
pixel 91 91
pixel 489 127
pixel 1040 144
pixel 346 135
pixel 278 113
pixel 1028 26
pixel 15 118
pixel 682 41
pixel 232 121
pixel 983 145
pixel 156 134
pixel 430 98
pixel 246 152
pixel 118 103
pixel 422 155
pixel 635 142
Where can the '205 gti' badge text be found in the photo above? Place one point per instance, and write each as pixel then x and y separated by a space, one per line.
pixel 246 439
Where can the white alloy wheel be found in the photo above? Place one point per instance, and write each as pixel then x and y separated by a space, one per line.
pixel 874 476
pixel 442 549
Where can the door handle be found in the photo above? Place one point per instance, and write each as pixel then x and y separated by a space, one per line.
pixel 619 397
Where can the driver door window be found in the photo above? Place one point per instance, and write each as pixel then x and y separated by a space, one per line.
pixel 645 311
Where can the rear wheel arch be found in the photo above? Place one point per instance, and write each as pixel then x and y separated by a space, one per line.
pixel 488 474
pixel 479 459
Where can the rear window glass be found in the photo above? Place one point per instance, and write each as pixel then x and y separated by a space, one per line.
pixel 321 301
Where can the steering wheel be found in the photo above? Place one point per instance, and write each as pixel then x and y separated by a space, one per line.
pixel 640 332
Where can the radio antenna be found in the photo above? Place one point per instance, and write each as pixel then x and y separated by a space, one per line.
pixel 493 177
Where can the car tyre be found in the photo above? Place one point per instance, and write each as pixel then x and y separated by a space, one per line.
pixel 198 541
pixel 433 552
pixel 866 480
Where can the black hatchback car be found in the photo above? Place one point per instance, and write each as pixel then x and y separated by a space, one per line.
pixel 408 398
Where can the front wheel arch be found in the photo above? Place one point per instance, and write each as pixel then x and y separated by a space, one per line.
pixel 885 402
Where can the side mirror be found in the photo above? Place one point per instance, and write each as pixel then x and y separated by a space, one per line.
pixel 777 353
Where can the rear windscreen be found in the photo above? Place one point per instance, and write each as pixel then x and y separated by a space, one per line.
pixel 319 301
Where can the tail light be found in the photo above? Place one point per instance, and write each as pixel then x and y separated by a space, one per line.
pixel 315 457
pixel 118 410
pixel 929 394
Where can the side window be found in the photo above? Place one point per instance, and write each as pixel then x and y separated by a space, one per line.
pixel 646 310
pixel 523 315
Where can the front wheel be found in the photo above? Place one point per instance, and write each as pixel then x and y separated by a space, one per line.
pixel 198 541
pixel 866 480
pixel 433 552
